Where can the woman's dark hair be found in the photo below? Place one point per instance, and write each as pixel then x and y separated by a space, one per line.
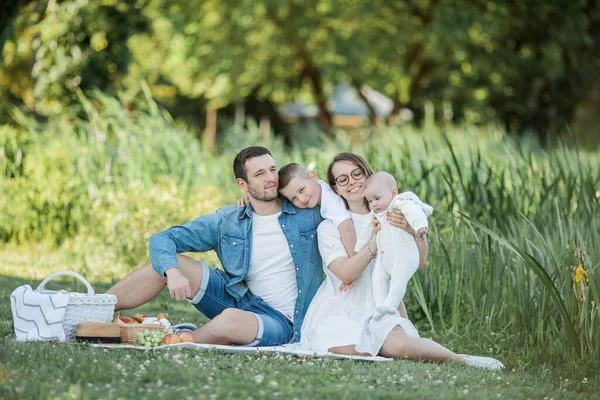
pixel 354 159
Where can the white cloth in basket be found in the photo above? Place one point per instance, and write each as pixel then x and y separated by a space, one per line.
pixel 49 315
pixel 38 316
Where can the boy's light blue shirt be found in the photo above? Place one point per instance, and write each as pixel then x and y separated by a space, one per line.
pixel 228 231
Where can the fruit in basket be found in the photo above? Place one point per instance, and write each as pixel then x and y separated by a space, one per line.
pixel 139 317
pixel 171 338
pixel 161 315
pixel 151 338
pixel 126 320
pixel 186 337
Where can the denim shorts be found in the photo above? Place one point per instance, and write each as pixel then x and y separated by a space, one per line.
pixel 274 328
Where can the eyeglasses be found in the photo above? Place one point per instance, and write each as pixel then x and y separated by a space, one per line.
pixel 343 180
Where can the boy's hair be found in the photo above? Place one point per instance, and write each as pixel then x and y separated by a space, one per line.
pixel 289 172
pixel 239 162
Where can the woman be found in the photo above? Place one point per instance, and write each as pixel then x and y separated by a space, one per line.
pixel 340 321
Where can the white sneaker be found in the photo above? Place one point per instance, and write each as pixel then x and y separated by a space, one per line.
pixel 483 362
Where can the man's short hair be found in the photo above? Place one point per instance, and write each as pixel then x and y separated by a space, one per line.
pixel 239 162
pixel 289 172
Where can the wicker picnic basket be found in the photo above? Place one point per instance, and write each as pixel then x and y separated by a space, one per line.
pixel 129 331
pixel 90 307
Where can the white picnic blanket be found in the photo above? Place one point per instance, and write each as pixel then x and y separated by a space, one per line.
pixel 286 349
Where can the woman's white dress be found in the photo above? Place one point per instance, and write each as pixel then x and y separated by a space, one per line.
pixel 337 318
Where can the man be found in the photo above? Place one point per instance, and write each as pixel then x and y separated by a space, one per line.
pixel 270 258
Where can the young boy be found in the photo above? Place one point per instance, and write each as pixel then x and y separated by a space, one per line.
pixel 304 190
pixel 398 257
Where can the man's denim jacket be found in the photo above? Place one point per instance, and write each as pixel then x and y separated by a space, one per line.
pixel 228 231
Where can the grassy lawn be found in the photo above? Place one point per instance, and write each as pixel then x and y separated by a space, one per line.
pixel 68 370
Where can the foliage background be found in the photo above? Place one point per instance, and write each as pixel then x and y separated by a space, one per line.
pixel 102 113
pixel 532 67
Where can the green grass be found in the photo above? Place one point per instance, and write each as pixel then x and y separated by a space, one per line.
pixel 63 370
pixel 512 223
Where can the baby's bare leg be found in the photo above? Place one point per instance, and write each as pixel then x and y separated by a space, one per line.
pixel 144 284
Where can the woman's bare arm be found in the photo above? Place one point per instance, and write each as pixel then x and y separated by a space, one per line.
pixel 347 269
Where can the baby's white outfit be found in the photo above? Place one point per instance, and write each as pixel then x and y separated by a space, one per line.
pixel 398 255
pixel 332 205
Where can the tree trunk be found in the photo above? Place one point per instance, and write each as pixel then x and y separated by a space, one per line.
pixel 398 105
pixel 415 54
pixel 239 117
pixel 314 76
pixel 308 71
pixel 210 132
pixel 415 85
pixel 264 126
pixel 372 113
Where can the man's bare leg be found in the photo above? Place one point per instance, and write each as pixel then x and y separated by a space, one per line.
pixel 144 284
pixel 232 326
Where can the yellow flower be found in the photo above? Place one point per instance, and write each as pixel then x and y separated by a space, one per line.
pixel 580 273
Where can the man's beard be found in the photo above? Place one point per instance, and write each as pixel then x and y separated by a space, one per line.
pixel 262 195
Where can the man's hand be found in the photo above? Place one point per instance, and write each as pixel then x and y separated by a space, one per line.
pixel 179 285
pixel 397 219
pixel 243 202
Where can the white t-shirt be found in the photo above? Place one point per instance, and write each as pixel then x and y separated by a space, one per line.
pixel 332 205
pixel 272 275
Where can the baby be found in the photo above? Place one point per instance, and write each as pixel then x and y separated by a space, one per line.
pixel 398 257
pixel 302 188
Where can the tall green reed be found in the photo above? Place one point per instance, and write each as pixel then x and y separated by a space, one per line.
pixel 545 202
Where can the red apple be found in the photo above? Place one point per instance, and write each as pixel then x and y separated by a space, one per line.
pixel 186 337
pixel 126 320
pixel 171 338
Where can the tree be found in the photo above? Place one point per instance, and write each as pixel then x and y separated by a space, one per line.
pixel 534 63
pixel 526 64
pixel 62 47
